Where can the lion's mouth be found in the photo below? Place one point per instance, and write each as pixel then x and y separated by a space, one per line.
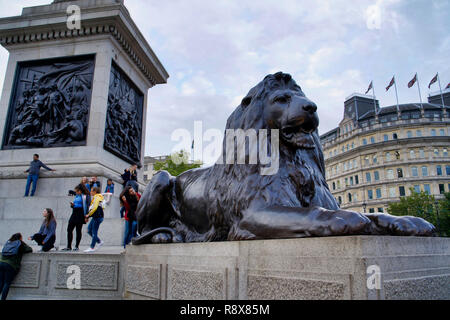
pixel 298 136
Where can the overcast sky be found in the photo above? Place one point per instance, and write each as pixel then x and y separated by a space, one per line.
pixel 215 51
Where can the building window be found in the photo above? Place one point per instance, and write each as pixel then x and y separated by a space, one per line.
pixel 145 177
pixel 356 180
pixel 380 210
pixel 433 132
pixel 401 191
pixel 390 174
pixel 392 192
pixel 426 188
pixel 376 176
pixel 372 140
pixel 394 136
pixel 441 189
pixel 364 142
pixel 419 133
pixel 421 153
pixel 409 134
pixel 414 172
pixel 349 196
pixel 378 191
pixel 442 132
pixel 388 156
pixel 385 137
pixel 445 152
pixel 370 194
pixel 400 173
pixel 412 154
pixel 368 177
pixel 425 171
pixel 339 184
pixel 447 170
pixel 436 152
pixel 375 159
pixel 354 163
pixel 397 155
pixel 366 160
pixel 353 145
pixel 334 185
pixel 371 210
pixel 347 146
pixel 417 188
pixel 343 149
pixel 439 170
pixel 351 181
pixel 340 200
pixel 346 181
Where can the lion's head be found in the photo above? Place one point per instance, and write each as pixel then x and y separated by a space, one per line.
pixel 278 102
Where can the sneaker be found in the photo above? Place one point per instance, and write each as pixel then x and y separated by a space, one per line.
pixel 76 249
pixel 100 244
pixel 90 250
pixel 66 249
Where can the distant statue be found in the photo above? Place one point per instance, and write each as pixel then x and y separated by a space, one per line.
pixel 236 202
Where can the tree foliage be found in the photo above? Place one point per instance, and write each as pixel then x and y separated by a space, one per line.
pixel 177 163
pixel 425 206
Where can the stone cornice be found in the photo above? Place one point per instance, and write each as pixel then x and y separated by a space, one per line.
pixel 112 19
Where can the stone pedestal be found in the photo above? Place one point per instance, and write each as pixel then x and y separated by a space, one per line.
pixel 311 268
pixel 41 36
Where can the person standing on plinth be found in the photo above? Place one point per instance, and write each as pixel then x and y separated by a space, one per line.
pixel 96 213
pixel 33 174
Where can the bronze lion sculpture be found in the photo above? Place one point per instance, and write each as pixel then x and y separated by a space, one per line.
pixel 236 202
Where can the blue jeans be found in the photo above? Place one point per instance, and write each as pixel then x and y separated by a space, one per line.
pixel 31 178
pixel 93 231
pixel 7 274
pixel 130 232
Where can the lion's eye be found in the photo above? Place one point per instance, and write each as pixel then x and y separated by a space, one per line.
pixel 246 101
pixel 281 99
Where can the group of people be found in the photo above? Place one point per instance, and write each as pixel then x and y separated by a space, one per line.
pixel 88 204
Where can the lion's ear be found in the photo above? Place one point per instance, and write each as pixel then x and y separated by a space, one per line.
pixel 246 101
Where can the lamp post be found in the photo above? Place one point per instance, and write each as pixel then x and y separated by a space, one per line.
pixel 364 206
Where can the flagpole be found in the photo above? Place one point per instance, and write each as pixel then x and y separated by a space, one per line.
pixel 396 94
pixel 420 96
pixel 442 96
pixel 374 101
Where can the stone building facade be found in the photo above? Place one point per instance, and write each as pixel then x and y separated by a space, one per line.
pixel 377 154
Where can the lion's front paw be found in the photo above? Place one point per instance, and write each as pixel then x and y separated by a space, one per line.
pixel 339 222
pixel 403 225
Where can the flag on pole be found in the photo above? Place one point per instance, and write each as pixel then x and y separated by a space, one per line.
pixel 433 80
pixel 448 86
pixel 390 84
pixel 411 83
pixel 370 87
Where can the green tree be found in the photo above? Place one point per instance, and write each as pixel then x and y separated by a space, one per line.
pixel 177 163
pixel 424 205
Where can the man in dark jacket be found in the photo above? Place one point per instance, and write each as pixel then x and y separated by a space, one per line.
pixel 33 174
pixel 10 265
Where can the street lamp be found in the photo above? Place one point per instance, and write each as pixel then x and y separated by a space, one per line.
pixel 364 206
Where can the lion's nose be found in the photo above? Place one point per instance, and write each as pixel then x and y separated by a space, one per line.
pixel 310 107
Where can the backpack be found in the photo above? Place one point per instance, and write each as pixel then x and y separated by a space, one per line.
pixel 11 248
